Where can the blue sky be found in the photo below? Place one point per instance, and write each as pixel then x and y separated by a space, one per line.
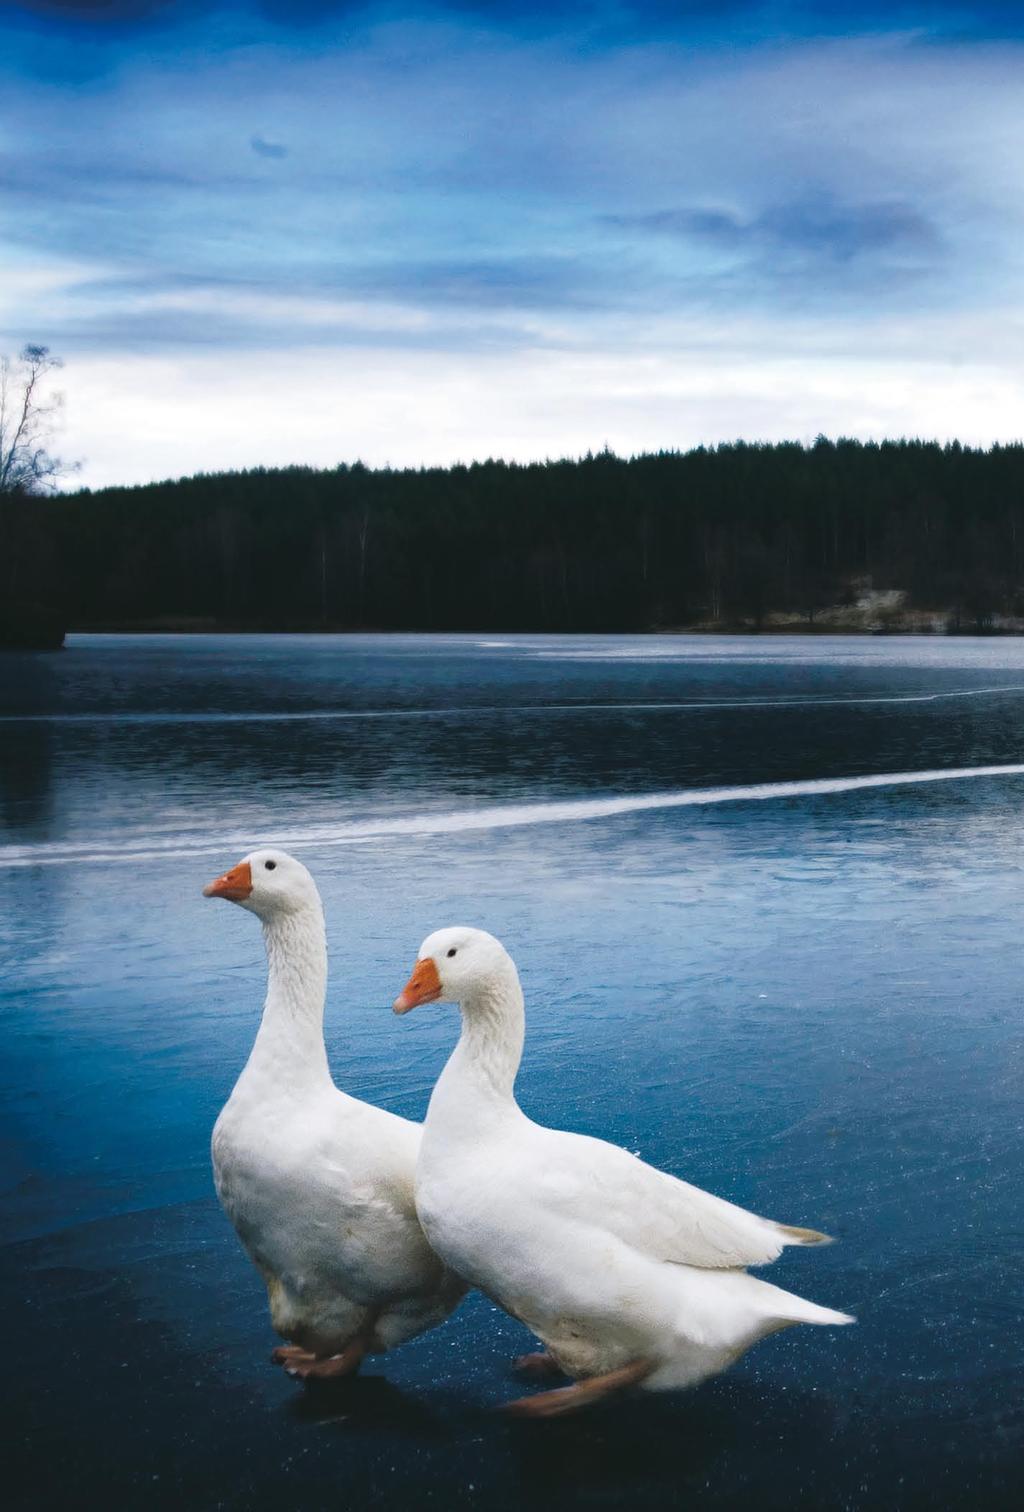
pixel 269 232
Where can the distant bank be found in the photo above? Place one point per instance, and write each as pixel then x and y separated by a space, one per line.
pixel 30 627
pixel 872 612
pixel 836 537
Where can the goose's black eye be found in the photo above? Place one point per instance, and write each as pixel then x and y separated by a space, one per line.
pixel 270 865
pixel 451 952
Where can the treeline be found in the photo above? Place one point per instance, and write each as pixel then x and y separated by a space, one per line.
pixel 728 536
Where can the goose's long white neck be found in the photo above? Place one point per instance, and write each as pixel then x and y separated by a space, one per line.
pixel 476 1086
pixel 290 1042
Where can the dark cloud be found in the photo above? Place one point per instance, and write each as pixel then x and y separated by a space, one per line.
pixel 820 228
pixel 265 149
pixel 515 283
pixel 99 13
pixel 207 330
pixel 743 17
pixel 60 41
pixel 427 189
pixel 519 282
pixel 89 179
pixel 826 227
pixel 714 225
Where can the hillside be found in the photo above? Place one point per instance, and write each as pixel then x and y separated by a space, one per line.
pixel 838 535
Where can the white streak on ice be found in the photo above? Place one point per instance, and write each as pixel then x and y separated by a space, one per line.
pixel 498 816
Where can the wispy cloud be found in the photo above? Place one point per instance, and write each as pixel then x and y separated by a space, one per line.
pixel 510 185
pixel 818 226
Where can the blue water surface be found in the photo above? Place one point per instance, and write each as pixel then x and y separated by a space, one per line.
pixel 807 1000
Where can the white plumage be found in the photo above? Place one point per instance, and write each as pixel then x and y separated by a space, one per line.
pixel 627 1274
pixel 318 1185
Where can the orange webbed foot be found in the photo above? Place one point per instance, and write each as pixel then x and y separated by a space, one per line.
pixel 580 1394
pixel 285 1353
pixel 328 1367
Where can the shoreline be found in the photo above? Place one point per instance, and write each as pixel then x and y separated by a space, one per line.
pixel 933 631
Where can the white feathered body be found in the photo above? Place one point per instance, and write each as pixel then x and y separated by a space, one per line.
pixel 319 1185
pixel 321 1197
pixel 596 1253
pixel 607 1260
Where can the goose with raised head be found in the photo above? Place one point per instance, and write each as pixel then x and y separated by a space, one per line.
pixel 628 1275
pixel 318 1185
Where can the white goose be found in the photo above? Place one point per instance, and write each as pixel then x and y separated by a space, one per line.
pixel 318 1185
pixel 628 1275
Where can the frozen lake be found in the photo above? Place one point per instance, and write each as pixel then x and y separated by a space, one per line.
pixel 796 989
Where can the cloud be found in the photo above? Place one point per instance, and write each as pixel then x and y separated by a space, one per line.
pixel 464 191
pixel 825 227
pixel 153 416
pixel 818 246
pixel 819 225
pixel 105 13
pixel 744 18
pixel 265 149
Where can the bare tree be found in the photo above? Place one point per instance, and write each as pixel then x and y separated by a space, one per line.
pixel 29 411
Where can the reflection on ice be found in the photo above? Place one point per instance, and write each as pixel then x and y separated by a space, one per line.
pixel 766 896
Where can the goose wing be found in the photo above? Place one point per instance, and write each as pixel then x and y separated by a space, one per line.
pixel 657 1214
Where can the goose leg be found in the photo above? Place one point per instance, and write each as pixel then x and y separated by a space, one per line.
pixel 538 1366
pixel 581 1393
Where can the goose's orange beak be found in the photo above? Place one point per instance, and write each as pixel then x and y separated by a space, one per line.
pixel 424 986
pixel 235 885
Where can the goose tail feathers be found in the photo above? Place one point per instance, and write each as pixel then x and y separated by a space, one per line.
pixel 784 1307
pixel 795 1235
pixel 810 1312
